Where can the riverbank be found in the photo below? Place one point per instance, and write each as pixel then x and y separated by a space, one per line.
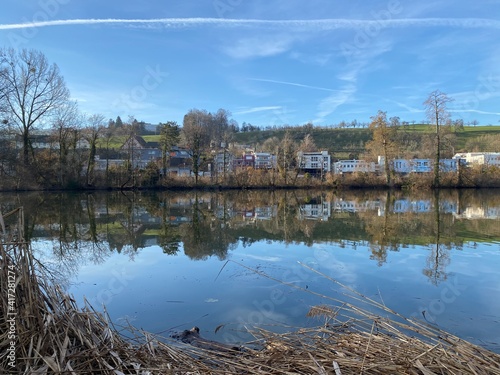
pixel 50 334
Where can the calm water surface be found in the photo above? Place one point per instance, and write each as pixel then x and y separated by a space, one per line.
pixel 167 261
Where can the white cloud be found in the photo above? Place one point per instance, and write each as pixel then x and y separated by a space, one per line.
pixel 329 104
pixel 292 84
pixel 314 59
pixel 474 111
pixel 364 60
pixel 259 47
pixel 406 107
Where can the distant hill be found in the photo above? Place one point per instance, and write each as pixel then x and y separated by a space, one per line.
pixel 338 142
pixel 350 143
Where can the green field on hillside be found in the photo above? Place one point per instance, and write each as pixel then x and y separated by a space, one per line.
pixel 343 143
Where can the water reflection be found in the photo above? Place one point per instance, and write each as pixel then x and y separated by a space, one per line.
pixel 88 227
pixel 432 256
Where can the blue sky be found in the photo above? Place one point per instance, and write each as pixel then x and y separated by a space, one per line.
pixel 269 62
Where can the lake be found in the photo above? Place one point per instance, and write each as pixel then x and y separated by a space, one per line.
pixel 227 261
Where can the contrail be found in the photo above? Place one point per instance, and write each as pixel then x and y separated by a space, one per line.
pixel 293 84
pixel 258 109
pixel 318 24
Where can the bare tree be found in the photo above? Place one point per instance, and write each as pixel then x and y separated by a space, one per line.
pixel 65 126
pixel 30 91
pixel 385 137
pixel 195 130
pixel 107 134
pixel 308 144
pixel 287 150
pixel 395 121
pixel 219 127
pixel 437 113
pixel 91 133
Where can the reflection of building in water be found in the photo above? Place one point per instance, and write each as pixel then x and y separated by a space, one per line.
pixel 260 213
pixel 100 210
pixel 406 205
pixel 177 220
pixel 479 213
pixel 448 207
pixel 316 209
pixel 420 206
pixel 340 205
pixel 188 202
pixel 225 212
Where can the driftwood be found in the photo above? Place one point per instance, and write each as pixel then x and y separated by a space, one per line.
pixel 192 337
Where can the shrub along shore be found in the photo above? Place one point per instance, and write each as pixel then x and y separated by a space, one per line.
pixel 43 331
pixel 477 177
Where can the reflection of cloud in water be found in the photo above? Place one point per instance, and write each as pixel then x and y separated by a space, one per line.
pixel 126 319
pixel 261 257
pixel 331 266
pixel 410 257
pixel 254 317
pixel 211 300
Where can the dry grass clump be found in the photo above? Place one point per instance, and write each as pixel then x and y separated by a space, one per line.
pixel 54 336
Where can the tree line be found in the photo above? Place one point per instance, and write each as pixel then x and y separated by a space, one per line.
pixel 34 96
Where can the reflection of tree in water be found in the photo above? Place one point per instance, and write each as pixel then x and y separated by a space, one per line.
pixel 58 220
pixel 169 238
pixel 396 230
pixel 86 228
pixel 383 233
pixel 285 225
pixel 436 263
pixel 439 258
pixel 206 234
pixel 389 232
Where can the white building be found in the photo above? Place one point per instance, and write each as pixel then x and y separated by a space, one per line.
pixel 400 165
pixel 351 166
pixel 264 160
pixel 315 161
pixel 418 165
pixel 448 165
pixel 223 162
pixel 480 158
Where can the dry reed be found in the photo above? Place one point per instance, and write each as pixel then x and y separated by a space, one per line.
pixel 54 336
